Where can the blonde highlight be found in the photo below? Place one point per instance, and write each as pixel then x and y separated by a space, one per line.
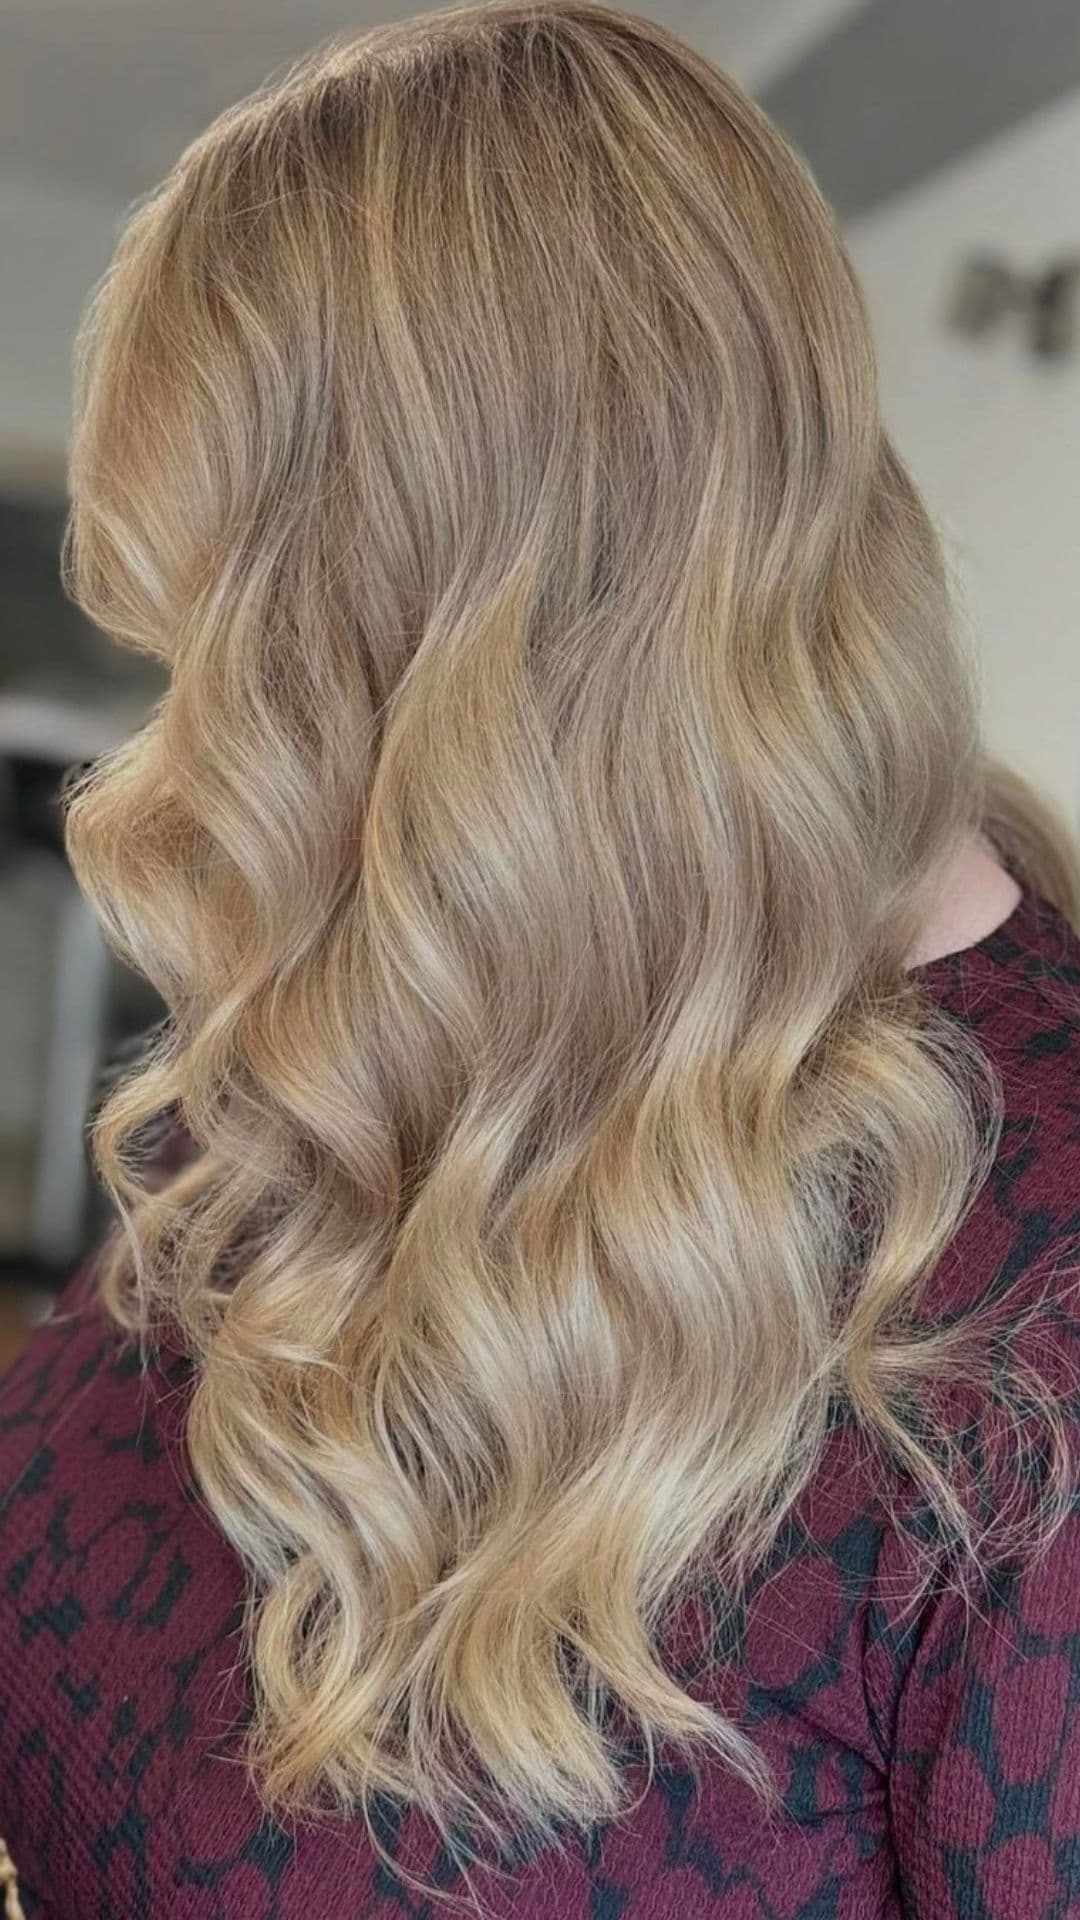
pixel 565 738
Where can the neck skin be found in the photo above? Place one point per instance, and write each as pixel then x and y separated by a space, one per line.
pixel 976 897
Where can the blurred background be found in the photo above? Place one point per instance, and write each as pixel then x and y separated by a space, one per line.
pixel 948 138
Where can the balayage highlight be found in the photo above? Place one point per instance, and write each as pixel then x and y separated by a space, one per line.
pixel 564 741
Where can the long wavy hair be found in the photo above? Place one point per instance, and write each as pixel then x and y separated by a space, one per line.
pixel 565 739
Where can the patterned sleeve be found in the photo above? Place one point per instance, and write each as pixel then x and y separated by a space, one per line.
pixel 985 1777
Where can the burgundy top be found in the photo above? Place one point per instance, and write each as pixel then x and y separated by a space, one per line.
pixel 929 1760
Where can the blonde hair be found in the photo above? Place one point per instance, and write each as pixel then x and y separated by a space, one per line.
pixel 565 739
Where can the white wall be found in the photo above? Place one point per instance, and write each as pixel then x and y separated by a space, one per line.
pixel 991 434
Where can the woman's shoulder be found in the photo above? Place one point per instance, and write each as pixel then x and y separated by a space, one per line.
pixel 119 1601
pixel 78 1397
pixel 95 1484
pixel 1017 992
pixel 92 1427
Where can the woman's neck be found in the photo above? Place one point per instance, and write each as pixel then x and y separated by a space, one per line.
pixel 977 895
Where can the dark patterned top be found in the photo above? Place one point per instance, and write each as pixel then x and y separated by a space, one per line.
pixel 928 1755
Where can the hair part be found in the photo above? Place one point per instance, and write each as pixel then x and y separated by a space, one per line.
pixel 564 740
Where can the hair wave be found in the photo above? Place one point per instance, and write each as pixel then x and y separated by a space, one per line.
pixel 564 739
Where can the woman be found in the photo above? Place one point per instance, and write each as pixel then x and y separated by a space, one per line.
pixel 579 1416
